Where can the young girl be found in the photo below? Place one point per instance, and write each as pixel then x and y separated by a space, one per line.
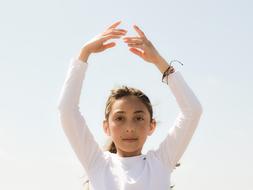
pixel 128 122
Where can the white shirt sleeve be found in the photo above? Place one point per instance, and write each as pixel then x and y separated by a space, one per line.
pixel 72 121
pixel 173 146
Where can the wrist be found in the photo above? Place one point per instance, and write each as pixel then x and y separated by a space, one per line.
pixel 84 55
pixel 161 64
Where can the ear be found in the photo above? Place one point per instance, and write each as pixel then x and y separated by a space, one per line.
pixel 106 127
pixel 152 127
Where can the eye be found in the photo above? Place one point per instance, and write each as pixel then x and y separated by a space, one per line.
pixel 139 118
pixel 119 118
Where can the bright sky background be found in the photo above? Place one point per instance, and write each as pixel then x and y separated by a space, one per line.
pixel 212 38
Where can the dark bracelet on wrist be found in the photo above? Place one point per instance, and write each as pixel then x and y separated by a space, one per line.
pixel 169 71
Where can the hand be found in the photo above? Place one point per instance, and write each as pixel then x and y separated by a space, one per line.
pixel 142 47
pixel 97 44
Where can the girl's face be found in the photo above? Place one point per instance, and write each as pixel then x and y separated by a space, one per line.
pixel 129 125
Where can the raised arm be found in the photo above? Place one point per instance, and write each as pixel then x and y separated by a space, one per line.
pixel 179 136
pixel 72 121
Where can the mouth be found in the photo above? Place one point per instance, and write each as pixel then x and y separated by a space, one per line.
pixel 130 139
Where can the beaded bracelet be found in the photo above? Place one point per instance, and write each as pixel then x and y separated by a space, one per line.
pixel 169 71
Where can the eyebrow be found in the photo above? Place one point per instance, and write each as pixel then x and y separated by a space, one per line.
pixel 137 111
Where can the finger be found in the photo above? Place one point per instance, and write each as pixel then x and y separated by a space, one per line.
pixel 130 38
pixel 136 41
pixel 121 30
pixel 139 31
pixel 114 25
pixel 135 46
pixel 136 51
pixel 109 45
pixel 105 38
pixel 115 32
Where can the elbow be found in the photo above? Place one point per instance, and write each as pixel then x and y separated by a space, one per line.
pixel 59 107
pixel 63 105
pixel 62 108
pixel 198 109
pixel 195 110
pixel 65 109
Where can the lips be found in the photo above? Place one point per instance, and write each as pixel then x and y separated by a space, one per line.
pixel 130 138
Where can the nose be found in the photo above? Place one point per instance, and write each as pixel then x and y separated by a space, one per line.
pixel 130 128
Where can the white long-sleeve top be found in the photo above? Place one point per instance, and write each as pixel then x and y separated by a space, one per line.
pixel 108 171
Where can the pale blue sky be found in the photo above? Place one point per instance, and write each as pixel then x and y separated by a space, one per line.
pixel 212 38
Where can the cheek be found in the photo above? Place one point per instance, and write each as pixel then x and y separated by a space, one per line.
pixel 142 131
pixel 115 130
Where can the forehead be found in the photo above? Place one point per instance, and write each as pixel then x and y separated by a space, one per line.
pixel 128 104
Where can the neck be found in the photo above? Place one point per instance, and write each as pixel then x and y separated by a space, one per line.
pixel 128 154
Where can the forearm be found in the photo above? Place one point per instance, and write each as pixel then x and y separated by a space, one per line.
pixel 161 64
pixel 71 90
pixel 187 100
pixel 182 92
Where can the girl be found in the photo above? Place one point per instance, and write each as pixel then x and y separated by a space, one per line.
pixel 128 122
